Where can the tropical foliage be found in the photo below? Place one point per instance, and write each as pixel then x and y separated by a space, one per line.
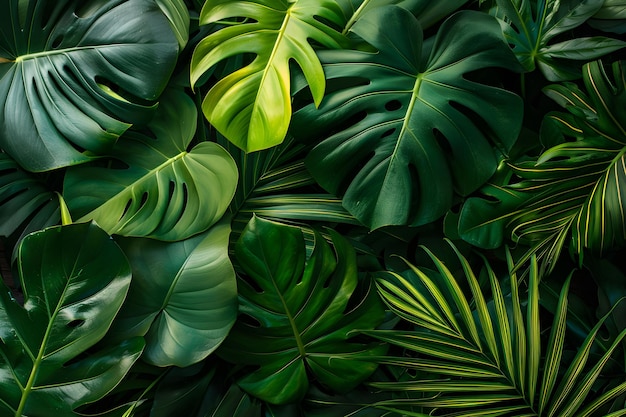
pixel 312 208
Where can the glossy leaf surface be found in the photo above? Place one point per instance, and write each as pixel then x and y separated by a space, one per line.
pixel 530 30
pixel 412 140
pixel 252 106
pixel 74 280
pixel 295 321
pixel 183 297
pixel 165 192
pixel 75 75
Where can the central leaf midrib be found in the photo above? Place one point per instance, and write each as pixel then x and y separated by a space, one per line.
pixel 292 322
pixel 42 54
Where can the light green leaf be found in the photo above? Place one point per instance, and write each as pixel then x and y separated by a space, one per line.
pixel 75 76
pixel 295 321
pixel 183 297
pixel 252 106
pixel 74 280
pixel 415 142
pixel 164 192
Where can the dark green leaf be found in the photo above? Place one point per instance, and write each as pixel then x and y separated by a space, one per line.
pixel 75 75
pixel 415 141
pixel 296 321
pixel 74 280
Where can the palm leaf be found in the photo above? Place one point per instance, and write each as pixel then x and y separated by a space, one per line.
pixel 574 192
pixel 498 371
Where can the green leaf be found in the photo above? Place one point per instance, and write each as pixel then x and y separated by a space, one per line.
pixel 164 192
pixel 74 280
pixel 183 297
pixel 27 204
pixel 611 17
pixel 295 319
pixel 499 377
pixel 416 141
pixel 178 15
pixel 530 29
pixel 74 76
pixel 252 106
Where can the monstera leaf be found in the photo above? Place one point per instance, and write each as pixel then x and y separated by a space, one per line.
pixel 74 280
pixel 252 106
pixel 530 31
pixel 75 74
pixel 486 355
pixel 178 15
pixel 415 139
pixel 183 298
pixel 295 319
pixel 574 192
pixel 27 204
pixel 164 192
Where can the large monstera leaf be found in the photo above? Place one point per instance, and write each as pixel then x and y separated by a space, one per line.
pixel 74 75
pixel 252 106
pixel 164 192
pixel 574 192
pixel 74 280
pixel 183 297
pixel 416 140
pixel 531 29
pixel 295 319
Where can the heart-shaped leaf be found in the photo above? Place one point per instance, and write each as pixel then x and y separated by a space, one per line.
pixel 252 106
pixel 183 297
pixel 414 136
pixel 74 280
pixel 75 74
pixel 296 319
pixel 164 192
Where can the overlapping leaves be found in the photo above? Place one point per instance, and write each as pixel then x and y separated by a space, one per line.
pixel 252 106
pixel 405 118
pixel 74 280
pixel 489 351
pixel 575 190
pixel 164 192
pixel 75 75
pixel 531 27
pixel 297 314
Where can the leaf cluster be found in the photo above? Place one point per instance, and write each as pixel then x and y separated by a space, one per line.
pixel 253 208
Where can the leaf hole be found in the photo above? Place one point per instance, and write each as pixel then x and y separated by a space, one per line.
pixel 251 283
pixel 443 143
pixel 249 321
pixel 393 105
pixel 75 323
pixel 57 42
pixel 388 133
pixel 144 199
